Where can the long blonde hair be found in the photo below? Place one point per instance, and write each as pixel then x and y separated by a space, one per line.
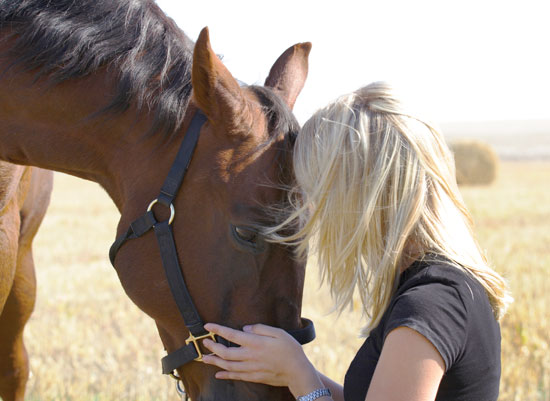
pixel 372 181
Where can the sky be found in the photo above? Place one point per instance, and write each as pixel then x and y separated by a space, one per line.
pixel 468 60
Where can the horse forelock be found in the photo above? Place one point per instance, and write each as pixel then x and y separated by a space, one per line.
pixel 64 39
pixel 279 117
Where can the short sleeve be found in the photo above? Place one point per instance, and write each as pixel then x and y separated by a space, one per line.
pixel 436 311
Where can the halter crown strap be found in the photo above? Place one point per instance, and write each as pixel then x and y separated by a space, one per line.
pixel 175 176
pixel 170 187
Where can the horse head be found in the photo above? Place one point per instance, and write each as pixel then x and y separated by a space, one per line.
pixel 240 169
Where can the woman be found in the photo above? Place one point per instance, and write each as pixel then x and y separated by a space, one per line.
pixel 380 206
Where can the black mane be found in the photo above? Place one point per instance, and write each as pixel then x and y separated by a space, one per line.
pixel 64 39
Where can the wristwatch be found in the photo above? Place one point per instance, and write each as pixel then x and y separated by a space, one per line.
pixel 320 392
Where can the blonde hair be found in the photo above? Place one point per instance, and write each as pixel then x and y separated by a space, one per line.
pixel 374 182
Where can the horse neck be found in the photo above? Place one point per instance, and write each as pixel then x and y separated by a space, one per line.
pixel 49 126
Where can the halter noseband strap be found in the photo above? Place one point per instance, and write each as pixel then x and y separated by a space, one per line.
pixel 170 261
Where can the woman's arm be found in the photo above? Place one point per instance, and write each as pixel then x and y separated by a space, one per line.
pixel 409 369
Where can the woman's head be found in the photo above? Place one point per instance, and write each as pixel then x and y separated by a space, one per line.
pixel 377 187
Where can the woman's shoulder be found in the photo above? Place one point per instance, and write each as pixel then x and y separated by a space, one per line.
pixel 434 274
pixel 443 303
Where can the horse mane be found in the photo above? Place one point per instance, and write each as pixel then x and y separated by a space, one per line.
pixel 64 39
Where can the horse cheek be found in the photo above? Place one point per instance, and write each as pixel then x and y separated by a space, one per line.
pixel 143 279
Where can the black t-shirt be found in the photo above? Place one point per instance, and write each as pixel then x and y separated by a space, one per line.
pixel 451 309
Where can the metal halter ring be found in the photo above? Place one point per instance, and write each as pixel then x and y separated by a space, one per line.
pixel 172 210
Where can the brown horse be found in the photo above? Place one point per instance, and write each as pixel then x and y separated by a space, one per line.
pixel 24 198
pixel 105 90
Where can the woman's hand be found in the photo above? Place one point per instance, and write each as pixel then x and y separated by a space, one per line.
pixel 266 355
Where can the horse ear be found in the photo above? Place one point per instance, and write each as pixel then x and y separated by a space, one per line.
pixel 215 91
pixel 288 75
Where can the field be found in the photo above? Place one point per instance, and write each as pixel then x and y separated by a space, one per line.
pixel 88 342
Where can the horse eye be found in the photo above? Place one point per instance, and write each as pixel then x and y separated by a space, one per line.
pixel 248 239
pixel 246 234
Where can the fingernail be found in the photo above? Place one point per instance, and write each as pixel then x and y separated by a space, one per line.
pixel 247 328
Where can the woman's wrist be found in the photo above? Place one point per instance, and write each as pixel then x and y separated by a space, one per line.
pixel 305 382
pixel 320 393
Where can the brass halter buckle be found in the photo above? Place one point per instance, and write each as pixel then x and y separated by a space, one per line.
pixel 195 341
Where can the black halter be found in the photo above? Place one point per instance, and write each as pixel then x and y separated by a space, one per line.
pixel 163 231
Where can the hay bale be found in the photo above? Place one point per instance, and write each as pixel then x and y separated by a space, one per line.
pixel 476 162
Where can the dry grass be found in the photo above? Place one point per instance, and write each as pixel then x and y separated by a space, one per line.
pixel 87 341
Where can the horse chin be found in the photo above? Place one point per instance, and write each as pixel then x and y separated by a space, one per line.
pixel 229 390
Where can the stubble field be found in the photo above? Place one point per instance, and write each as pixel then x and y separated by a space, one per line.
pixel 87 341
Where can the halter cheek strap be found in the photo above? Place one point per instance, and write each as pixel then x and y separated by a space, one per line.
pixel 165 237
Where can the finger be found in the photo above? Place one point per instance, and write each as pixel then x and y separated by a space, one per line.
pixel 230 366
pixel 213 360
pixel 264 330
pixel 227 353
pixel 235 336
pixel 243 376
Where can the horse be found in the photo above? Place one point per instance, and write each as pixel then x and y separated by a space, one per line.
pixel 24 198
pixel 106 90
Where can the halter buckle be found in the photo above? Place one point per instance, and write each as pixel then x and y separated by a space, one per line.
pixel 195 341
pixel 172 210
